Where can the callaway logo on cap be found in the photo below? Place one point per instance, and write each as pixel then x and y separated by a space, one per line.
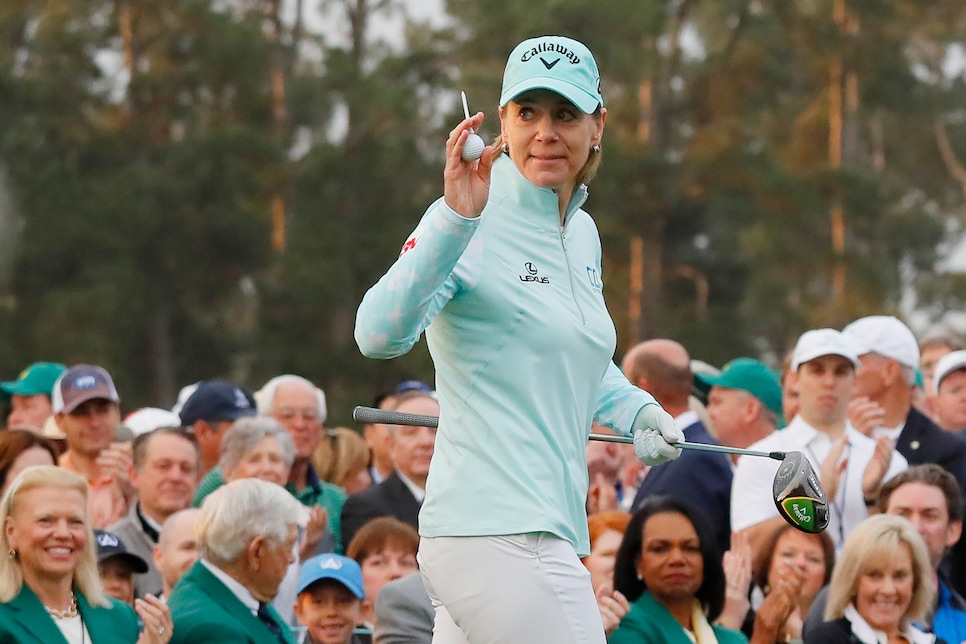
pixel 556 63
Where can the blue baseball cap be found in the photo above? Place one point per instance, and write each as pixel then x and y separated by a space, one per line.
pixel 413 385
pixel 216 400
pixel 560 64
pixel 329 566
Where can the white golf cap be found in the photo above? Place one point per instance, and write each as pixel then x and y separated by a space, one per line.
pixel 947 364
pixel 886 336
pixel 148 419
pixel 822 342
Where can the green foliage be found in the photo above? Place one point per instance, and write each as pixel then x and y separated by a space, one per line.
pixel 146 192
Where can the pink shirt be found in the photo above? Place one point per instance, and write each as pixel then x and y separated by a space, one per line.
pixel 105 503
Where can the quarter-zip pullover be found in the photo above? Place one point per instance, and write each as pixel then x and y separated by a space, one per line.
pixel 513 308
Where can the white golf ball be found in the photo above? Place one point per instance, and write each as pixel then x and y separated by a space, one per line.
pixel 473 148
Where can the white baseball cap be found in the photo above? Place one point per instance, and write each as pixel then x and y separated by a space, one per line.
pixel 946 365
pixel 148 419
pixel 822 342
pixel 886 336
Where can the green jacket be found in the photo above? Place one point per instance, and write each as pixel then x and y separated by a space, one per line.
pixel 648 622
pixel 24 620
pixel 204 610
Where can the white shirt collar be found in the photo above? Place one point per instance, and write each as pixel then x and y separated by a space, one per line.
pixel 869 635
pixel 418 492
pixel 233 585
pixel 891 432
pixel 685 420
pixel 151 522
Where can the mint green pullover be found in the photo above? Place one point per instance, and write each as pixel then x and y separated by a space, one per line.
pixel 513 308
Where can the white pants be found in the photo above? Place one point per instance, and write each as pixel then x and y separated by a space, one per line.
pixel 526 588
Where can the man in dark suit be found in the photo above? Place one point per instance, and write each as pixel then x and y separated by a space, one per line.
pixel 702 479
pixel 402 493
pixel 882 406
pixel 247 532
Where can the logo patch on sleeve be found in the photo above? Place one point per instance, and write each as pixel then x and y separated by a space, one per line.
pixel 408 246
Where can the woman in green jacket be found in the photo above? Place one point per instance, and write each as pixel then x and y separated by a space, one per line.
pixel 50 592
pixel 670 570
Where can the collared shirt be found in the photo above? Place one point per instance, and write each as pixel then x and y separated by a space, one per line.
pixel 105 501
pixel 151 527
pixel 868 635
pixel 685 420
pixel 236 588
pixel 325 495
pixel 418 492
pixel 376 476
pixel 751 490
pixel 891 432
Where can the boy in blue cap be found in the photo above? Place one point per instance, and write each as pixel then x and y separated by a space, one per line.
pixel 330 600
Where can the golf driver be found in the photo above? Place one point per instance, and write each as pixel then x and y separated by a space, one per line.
pixel 796 490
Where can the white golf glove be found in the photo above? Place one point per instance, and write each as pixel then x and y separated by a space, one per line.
pixel 655 435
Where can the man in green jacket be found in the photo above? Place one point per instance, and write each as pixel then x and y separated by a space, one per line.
pixel 247 533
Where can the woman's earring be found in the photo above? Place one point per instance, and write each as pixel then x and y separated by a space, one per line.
pixel 595 149
pixel 12 554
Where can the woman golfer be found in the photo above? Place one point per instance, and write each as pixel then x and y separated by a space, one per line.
pixel 504 275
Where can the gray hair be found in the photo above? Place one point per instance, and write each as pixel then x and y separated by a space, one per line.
pixel 265 396
pixel 246 433
pixel 236 513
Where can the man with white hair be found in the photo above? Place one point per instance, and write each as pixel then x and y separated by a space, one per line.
pixel 300 408
pixel 247 532
pixel 889 356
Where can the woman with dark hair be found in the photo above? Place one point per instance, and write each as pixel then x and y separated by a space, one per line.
pixel 670 570
pixel 21 448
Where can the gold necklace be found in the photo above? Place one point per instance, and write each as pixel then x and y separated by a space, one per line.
pixel 67 613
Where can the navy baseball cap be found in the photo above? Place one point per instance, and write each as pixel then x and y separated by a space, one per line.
pixel 413 385
pixel 329 566
pixel 216 400
pixel 109 546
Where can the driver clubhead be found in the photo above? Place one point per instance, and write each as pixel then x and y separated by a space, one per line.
pixel 799 496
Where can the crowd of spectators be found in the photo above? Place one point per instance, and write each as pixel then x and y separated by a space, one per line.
pixel 242 510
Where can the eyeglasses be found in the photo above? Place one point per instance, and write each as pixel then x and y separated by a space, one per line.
pixel 308 414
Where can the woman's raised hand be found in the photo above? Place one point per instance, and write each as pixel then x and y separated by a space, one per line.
pixel 466 184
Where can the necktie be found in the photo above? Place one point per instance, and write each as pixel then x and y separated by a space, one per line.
pixel 266 618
